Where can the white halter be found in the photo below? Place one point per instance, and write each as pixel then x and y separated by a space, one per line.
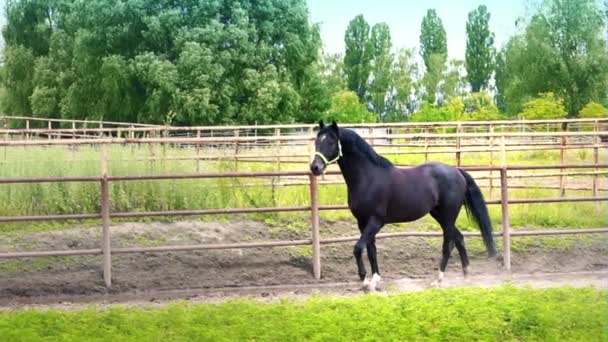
pixel 329 162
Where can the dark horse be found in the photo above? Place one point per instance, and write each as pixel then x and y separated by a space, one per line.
pixel 380 193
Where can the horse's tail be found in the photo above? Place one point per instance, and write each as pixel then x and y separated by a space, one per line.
pixel 476 208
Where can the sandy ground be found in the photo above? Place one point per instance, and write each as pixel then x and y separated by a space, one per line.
pixel 406 264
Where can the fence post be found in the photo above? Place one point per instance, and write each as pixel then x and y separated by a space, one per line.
pixel 277 133
pixel 105 217
pixel 491 159
pixel 236 149
pixel 311 141
pixel 503 151
pixel 316 246
pixel 27 127
pixel 563 160
pixel 506 228
pixel 198 151
pixel 371 136
pixel 458 132
pixel 426 144
pixel 597 142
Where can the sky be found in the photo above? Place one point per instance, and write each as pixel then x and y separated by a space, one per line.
pixel 405 16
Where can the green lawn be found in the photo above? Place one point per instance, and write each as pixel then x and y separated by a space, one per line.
pixel 471 314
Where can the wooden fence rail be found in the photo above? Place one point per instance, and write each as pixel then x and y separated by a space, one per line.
pixel 315 241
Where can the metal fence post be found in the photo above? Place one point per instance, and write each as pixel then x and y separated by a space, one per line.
pixel 316 245
pixel 563 160
pixel 458 144
pixel 506 228
pixel 105 217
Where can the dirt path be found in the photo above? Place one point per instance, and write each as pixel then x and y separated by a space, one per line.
pixel 404 262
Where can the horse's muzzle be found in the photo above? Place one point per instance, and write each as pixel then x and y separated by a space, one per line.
pixel 317 167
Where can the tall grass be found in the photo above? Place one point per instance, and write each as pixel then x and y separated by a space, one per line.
pixel 67 198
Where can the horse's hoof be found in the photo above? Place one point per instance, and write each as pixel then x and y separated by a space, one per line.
pixel 437 283
pixel 365 286
pixel 375 282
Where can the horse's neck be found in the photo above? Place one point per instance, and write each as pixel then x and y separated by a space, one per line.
pixel 355 165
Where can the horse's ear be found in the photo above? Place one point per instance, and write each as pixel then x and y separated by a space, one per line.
pixel 334 125
pixel 321 124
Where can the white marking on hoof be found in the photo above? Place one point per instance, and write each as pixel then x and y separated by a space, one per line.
pixel 467 274
pixel 366 283
pixel 374 282
pixel 437 282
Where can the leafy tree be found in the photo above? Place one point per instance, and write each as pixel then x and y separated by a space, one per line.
pixel 547 106
pixel 345 107
pixel 404 76
pixel 357 56
pixel 433 39
pixel 561 51
pixel 479 51
pixel 434 52
pixel 332 73
pixel 594 110
pixel 208 62
pixel 18 79
pixel 382 60
pixel 431 113
pixel 479 107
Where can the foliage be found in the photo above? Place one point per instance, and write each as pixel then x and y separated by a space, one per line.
pixel 480 107
pixel 433 49
pixel 346 108
pixel 480 48
pixel 382 60
pixel 433 41
pixel 210 62
pixel 431 113
pixel 404 72
pixel 563 51
pixel 547 106
pixel 471 314
pixel 357 56
pixel 594 110
pixel 332 73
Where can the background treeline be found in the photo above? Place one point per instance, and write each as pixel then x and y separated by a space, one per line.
pixel 210 62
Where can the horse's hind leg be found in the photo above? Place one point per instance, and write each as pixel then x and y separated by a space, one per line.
pixel 446 251
pixel 464 258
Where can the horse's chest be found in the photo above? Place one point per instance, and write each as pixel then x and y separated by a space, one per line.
pixel 367 201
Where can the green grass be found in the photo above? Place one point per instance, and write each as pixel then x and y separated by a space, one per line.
pixel 68 198
pixel 471 314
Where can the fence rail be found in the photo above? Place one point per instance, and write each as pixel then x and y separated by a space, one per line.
pixel 315 241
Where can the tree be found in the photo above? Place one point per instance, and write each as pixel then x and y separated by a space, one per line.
pixel 382 60
pixel 357 56
pixel 332 73
pixel 404 76
pixel 594 110
pixel 434 52
pixel 547 106
pixel 561 51
pixel 479 51
pixel 206 62
pixel 346 108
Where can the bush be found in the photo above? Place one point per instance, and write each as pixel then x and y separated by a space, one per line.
pixel 430 113
pixel 480 107
pixel 547 106
pixel 346 108
pixel 594 110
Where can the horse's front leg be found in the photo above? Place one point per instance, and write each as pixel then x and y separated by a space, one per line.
pixel 368 233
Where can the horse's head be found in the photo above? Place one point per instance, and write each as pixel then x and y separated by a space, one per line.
pixel 327 148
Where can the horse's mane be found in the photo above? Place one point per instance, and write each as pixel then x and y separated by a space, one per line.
pixel 350 139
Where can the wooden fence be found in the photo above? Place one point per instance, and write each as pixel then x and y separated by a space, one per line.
pixel 315 240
